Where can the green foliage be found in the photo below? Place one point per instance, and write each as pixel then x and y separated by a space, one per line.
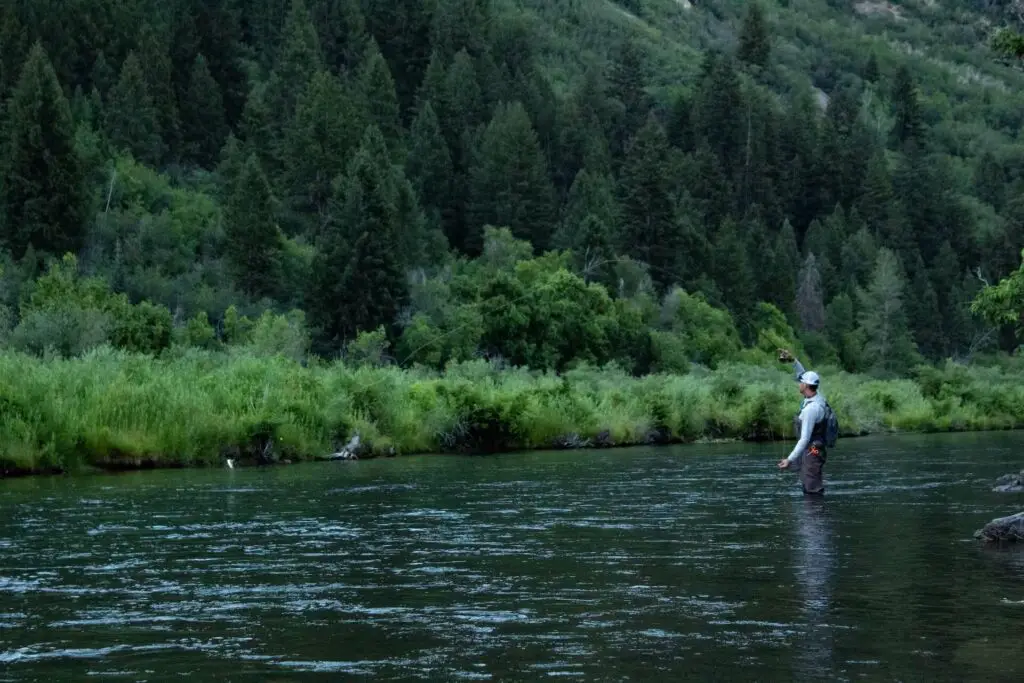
pixel 320 141
pixel 508 183
pixel 754 42
pixel 710 150
pixel 153 50
pixel 368 348
pixel 429 165
pixel 114 409
pixel 203 117
pixel 253 238
pixel 378 90
pixel 132 124
pixel 649 228
pixel 68 314
pixel 365 248
pixel 888 346
pixel 43 191
pixel 342 31
pixel 1003 303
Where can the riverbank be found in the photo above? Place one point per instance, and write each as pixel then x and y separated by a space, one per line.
pixel 114 410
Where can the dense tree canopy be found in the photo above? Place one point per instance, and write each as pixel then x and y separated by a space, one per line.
pixel 478 170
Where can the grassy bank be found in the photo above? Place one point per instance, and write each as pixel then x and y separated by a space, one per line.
pixel 113 410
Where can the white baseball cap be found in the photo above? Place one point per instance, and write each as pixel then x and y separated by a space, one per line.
pixel 810 378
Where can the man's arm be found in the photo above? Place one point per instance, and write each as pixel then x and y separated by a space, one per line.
pixel 799 368
pixel 806 429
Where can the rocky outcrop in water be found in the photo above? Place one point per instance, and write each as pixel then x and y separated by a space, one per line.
pixel 1003 530
pixel 1010 483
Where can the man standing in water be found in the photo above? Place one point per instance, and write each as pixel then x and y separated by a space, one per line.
pixel 811 425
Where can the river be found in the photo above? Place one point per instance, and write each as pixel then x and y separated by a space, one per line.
pixel 697 562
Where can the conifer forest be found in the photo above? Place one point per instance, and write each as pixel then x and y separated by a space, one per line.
pixel 492 224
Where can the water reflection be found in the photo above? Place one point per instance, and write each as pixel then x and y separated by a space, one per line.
pixel 814 560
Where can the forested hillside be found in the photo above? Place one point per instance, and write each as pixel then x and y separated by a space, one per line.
pixel 652 182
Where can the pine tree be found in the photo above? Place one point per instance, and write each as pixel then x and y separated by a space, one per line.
pixel 754 43
pixel 229 167
pixel 155 59
pixel 810 297
pixel 402 29
pixel 43 194
pixel 841 330
pixel 299 60
pixel 627 80
pixel 320 142
pixel 799 163
pixel 947 278
pixel 871 71
pixel 857 258
pixel 255 126
pixel 710 186
pixel 909 124
pixel 102 77
pixel 876 197
pixel 203 125
pixel 509 185
pixel 360 238
pixel 581 141
pixel 918 224
pixel 131 117
pixel 429 169
pixel 732 270
pixel 719 112
pixel 253 238
pixel 778 272
pixel 923 317
pixel 13 49
pixel 591 194
pixel 846 149
pixel 459 25
pixel 375 285
pixel 680 125
pixel 341 27
pixel 461 108
pixel 757 178
pixel 888 345
pixel 990 180
pixel 378 91
pixel 822 240
pixel 645 197
pixel 432 89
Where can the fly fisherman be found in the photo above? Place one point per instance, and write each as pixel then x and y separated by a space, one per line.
pixel 811 427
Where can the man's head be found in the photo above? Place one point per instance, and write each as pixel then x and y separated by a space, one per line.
pixel 809 382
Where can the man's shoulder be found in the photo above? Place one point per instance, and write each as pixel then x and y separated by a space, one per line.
pixel 815 404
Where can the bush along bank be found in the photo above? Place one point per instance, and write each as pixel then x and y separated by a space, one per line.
pixel 112 410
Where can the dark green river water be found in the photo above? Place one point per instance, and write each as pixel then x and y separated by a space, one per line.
pixel 698 562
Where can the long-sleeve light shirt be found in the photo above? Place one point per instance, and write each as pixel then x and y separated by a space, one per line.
pixel 812 411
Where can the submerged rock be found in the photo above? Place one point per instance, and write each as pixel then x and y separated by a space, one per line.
pixel 1004 529
pixel 1010 483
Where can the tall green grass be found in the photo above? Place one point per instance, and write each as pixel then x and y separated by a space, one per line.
pixel 111 409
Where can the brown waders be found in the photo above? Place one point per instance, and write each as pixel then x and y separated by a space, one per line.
pixel 810 469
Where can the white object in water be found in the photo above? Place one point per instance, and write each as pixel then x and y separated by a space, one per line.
pixel 231 464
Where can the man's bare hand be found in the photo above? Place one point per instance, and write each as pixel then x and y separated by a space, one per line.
pixel 784 464
pixel 785 356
